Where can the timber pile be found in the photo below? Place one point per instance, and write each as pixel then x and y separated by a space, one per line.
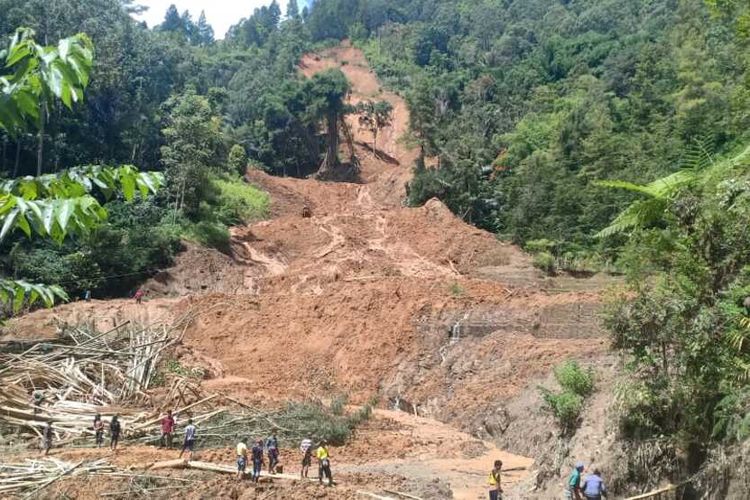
pixel 80 375
pixel 32 476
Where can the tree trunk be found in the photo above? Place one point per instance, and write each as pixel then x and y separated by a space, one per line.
pixel 18 157
pixel 332 153
pixel 40 146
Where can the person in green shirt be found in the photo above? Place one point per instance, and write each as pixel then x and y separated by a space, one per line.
pixel 573 485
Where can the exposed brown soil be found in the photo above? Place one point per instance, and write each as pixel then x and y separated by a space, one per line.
pixel 367 297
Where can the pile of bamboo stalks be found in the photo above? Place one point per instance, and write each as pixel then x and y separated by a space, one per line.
pixel 79 375
pixel 32 476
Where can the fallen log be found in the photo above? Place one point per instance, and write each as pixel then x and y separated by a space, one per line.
pixel 170 464
pixel 400 494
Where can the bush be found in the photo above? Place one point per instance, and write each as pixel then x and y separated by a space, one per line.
pixel 237 160
pixel 212 234
pixel 545 261
pixel 566 405
pixel 238 202
pixel 574 379
pixel 543 245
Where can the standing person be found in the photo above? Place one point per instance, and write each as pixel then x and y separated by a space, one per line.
pixel 272 447
pixel 257 452
pixel 167 428
pixel 114 433
pixel 87 295
pixel 47 435
pixel 306 448
pixel 138 296
pixel 496 492
pixel 98 430
pixel 189 443
pixel 573 486
pixel 324 463
pixel 593 487
pixel 241 459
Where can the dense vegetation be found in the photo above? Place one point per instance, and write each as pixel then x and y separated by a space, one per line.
pixel 170 99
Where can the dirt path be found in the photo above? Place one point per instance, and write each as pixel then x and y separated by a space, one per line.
pixel 442 452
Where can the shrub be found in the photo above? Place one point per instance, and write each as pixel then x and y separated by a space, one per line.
pixel 456 290
pixel 566 405
pixel 338 405
pixel 545 261
pixel 237 160
pixel 239 202
pixel 574 379
pixel 543 245
pixel 212 234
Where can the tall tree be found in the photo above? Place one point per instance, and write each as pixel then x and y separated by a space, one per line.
pixel 205 31
pixel 193 146
pixel 292 10
pixel 172 20
pixel 327 93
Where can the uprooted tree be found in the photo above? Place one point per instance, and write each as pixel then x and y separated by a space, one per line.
pixel 52 206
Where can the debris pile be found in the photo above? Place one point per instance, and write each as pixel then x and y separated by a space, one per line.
pixel 32 476
pixel 81 374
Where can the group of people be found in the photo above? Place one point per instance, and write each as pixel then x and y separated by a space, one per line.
pixel 271 448
pixel 592 487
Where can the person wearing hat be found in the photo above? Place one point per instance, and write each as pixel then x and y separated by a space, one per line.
pixel 573 485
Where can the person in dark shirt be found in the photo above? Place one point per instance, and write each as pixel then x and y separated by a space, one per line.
pixel 114 433
pixel 257 453
pixel 272 447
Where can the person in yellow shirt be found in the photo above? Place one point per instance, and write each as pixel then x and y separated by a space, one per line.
pixel 241 459
pixel 324 463
pixel 496 492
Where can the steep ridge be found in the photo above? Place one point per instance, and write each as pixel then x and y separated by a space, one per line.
pixel 368 297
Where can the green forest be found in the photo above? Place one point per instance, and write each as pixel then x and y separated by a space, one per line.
pixel 599 135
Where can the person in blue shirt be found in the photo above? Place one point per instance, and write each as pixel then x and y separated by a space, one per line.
pixel 573 485
pixel 593 487
pixel 257 455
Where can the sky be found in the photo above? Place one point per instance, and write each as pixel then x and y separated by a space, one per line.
pixel 221 14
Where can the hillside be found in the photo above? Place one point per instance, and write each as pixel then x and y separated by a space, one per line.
pixel 368 298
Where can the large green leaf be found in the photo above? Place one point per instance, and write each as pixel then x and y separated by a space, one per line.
pixel 20 292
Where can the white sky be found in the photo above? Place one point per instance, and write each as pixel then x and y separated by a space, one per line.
pixel 221 14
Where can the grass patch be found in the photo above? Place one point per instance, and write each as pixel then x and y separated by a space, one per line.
pixel 231 202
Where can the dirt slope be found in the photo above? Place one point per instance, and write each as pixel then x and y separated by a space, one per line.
pixel 368 297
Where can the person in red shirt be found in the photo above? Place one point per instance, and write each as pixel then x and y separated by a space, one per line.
pixel 167 428
pixel 138 296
